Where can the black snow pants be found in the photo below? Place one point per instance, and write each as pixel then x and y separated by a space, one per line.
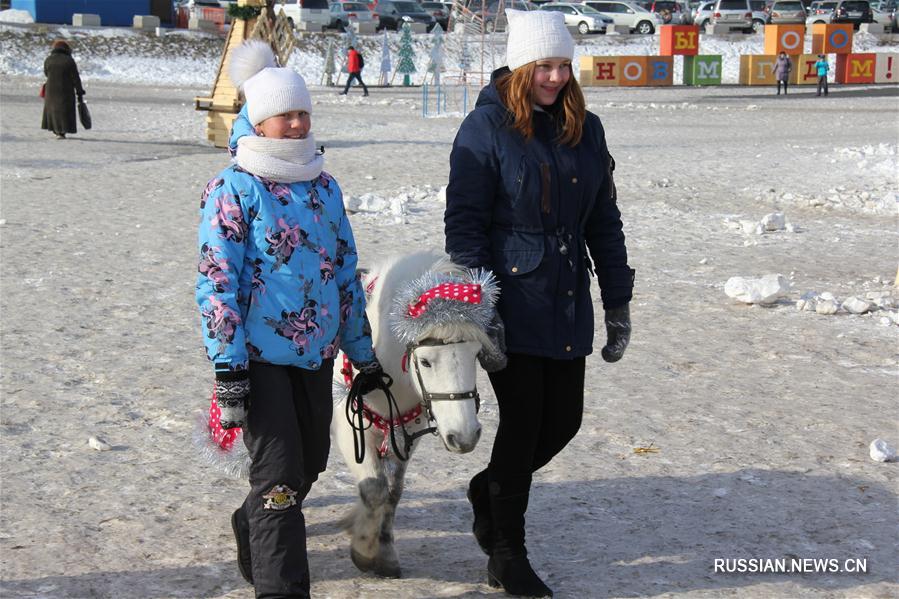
pixel 541 403
pixel 357 77
pixel 288 438
pixel 822 84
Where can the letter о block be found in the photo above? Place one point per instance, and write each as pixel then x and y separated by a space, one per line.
pixel 855 68
pixel 784 38
pixel 885 68
pixel 832 39
pixel 757 69
pixel 633 70
pixel 679 39
pixel 702 70
pixel 804 71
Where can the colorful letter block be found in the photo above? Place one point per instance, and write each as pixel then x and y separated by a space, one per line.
pixel 633 70
pixel 659 70
pixel 585 71
pixel 855 68
pixel 599 71
pixel 804 71
pixel 784 38
pixel 702 70
pixel 885 68
pixel 679 39
pixel 832 39
pixel 757 69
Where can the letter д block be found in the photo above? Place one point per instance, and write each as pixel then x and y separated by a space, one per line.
pixel 832 38
pixel 702 70
pixel 784 38
pixel 679 39
pixel 804 71
pixel 855 68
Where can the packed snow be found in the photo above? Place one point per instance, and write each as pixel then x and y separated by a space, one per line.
pixel 728 429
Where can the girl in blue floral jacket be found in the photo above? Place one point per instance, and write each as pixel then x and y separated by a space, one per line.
pixel 278 295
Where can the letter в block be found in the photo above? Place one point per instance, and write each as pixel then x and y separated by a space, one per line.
pixel 804 71
pixel 659 70
pixel 702 70
pixel 679 39
pixel 885 66
pixel 832 38
pixel 855 68
pixel 757 69
pixel 632 70
pixel 784 38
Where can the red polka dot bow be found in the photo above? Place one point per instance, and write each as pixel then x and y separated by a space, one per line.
pixel 464 292
pixel 224 438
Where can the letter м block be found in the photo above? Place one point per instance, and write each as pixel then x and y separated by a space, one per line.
pixel 855 68
pixel 784 38
pixel 679 39
pixel 702 70
pixel 832 38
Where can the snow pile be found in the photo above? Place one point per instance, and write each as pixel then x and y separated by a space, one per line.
pixel 877 197
pixel 880 303
pixel 764 290
pixel 873 161
pixel 395 208
pixel 770 223
pixel 15 16
pixel 881 451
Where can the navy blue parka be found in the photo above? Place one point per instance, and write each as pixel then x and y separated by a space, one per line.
pixel 529 211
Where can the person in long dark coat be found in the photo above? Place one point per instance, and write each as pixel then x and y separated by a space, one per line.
pixel 531 197
pixel 60 91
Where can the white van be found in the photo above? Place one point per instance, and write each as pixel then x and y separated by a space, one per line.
pixel 307 15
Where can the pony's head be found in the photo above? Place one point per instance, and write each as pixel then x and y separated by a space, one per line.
pixel 442 318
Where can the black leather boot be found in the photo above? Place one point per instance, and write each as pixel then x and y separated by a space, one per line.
pixel 479 498
pixel 241 527
pixel 508 565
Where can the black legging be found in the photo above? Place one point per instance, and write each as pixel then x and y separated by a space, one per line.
pixel 784 84
pixel 541 403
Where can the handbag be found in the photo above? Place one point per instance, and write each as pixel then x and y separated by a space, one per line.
pixel 84 115
pixel 43 92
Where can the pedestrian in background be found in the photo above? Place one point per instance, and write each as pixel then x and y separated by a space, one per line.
pixel 782 69
pixel 822 67
pixel 61 91
pixel 530 193
pixel 354 65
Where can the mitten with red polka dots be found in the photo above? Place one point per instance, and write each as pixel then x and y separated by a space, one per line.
pixel 232 394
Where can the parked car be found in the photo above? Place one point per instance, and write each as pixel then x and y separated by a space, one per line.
pixel 885 18
pixel 439 11
pixel 313 14
pixel 821 11
pixel 586 19
pixel 733 14
pixel 787 12
pixel 392 14
pixel 494 20
pixel 853 11
pixel 760 11
pixel 671 13
pixel 703 14
pixel 343 13
pixel 629 14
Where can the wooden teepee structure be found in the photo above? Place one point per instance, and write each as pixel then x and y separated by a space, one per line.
pixel 225 102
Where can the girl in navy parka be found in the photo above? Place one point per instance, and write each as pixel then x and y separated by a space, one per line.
pixel 531 197
pixel 278 294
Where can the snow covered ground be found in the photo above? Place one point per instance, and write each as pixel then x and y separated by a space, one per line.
pixel 762 414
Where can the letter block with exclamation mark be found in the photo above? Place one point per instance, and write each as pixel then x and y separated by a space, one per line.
pixel 885 68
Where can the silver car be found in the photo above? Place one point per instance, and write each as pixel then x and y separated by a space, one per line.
pixel 629 14
pixel 786 12
pixel 342 13
pixel 702 16
pixel 586 19
pixel 820 12
pixel 733 14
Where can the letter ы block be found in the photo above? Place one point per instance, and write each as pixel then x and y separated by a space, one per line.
pixel 784 38
pixel 757 69
pixel 832 38
pixel 659 70
pixel 885 68
pixel 702 70
pixel 679 39
pixel 855 68
pixel 804 71
pixel 632 70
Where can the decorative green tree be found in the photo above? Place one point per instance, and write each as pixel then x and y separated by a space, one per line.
pixel 435 65
pixel 406 65
pixel 330 67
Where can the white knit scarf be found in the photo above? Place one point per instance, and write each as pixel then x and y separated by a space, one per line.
pixel 281 160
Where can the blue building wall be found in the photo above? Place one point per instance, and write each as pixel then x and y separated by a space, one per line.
pixel 112 12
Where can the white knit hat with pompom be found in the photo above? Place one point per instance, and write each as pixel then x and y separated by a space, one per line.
pixel 537 35
pixel 270 90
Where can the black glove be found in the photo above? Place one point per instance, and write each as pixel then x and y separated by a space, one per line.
pixel 618 329
pixel 493 359
pixel 371 376
pixel 232 395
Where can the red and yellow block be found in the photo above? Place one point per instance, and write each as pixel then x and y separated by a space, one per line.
pixel 757 69
pixel 886 68
pixel 626 71
pixel 855 68
pixel 832 38
pixel 679 39
pixel 804 71
pixel 789 39
pixel 599 71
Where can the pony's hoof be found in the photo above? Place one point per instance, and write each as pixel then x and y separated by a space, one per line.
pixel 378 568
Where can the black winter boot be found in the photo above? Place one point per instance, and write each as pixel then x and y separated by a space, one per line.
pixel 508 566
pixel 479 498
pixel 241 527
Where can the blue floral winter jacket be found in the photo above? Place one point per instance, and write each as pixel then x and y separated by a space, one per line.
pixel 277 273
pixel 529 211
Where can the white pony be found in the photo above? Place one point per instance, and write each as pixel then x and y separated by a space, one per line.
pixel 428 320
